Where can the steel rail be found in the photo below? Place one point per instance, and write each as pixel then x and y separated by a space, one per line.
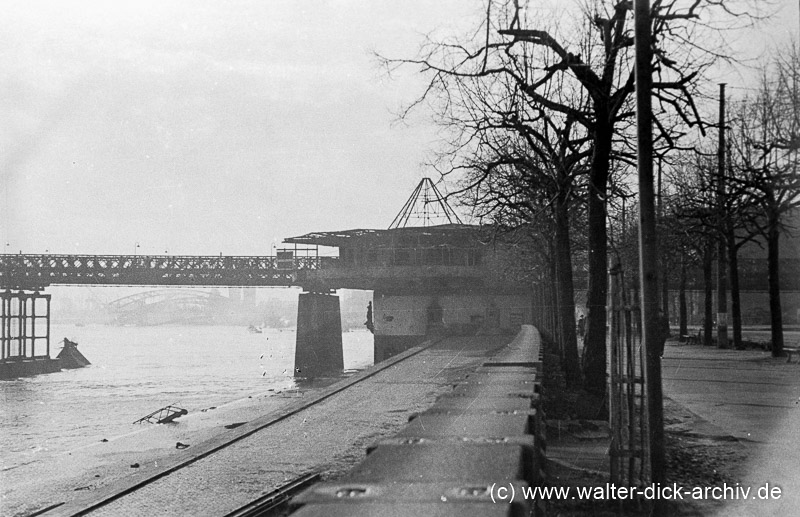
pixel 265 505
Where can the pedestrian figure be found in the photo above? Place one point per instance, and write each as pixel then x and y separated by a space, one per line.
pixel 370 324
pixel 581 326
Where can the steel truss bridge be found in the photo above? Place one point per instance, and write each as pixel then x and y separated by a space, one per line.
pixel 35 272
pixel 165 306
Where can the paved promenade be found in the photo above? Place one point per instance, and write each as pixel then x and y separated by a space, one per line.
pixel 752 397
pixel 217 477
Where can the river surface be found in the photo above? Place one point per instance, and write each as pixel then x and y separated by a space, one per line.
pixel 136 370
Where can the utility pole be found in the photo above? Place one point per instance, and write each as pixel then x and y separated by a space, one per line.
pixel 663 265
pixel 648 251
pixel 722 216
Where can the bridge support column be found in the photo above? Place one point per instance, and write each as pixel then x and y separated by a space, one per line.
pixel 400 323
pixel 25 334
pixel 403 321
pixel 318 349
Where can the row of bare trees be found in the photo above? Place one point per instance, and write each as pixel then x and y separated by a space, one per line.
pixel 760 187
pixel 536 105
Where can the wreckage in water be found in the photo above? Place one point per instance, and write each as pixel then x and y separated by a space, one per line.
pixel 164 415
pixel 70 358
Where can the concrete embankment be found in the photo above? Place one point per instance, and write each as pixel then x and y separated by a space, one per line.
pixel 328 431
pixel 466 455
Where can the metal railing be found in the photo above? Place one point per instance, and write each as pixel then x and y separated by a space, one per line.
pixel 627 411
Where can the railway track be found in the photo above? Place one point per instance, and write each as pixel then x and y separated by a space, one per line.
pixel 270 504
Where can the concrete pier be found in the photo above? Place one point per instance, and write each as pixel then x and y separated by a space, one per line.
pixel 318 350
pixel 405 320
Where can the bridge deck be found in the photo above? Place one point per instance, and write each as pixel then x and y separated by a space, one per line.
pixel 38 271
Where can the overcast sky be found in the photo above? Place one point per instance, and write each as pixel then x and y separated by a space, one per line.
pixel 200 127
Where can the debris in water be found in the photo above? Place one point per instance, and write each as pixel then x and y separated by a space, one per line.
pixel 69 357
pixel 164 415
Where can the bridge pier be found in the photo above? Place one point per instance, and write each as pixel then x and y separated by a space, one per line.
pixel 318 350
pixel 25 334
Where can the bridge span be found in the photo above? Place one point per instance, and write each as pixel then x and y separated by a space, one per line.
pixel 35 272
pixel 25 308
pixel 425 280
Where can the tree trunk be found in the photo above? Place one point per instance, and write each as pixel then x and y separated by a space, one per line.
pixel 541 303
pixel 594 351
pixel 552 304
pixel 566 293
pixel 776 316
pixel 708 262
pixel 665 291
pixel 553 301
pixel 683 323
pixel 736 305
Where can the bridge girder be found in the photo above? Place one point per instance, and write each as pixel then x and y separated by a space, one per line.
pixel 38 271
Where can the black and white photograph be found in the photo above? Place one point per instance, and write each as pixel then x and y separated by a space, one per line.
pixel 364 258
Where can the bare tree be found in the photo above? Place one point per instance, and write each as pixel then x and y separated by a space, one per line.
pixel 729 219
pixel 765 158
pixel 528 179
pixel 695 211
pixel 579 68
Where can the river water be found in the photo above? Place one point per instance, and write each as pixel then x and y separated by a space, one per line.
pixel 136 370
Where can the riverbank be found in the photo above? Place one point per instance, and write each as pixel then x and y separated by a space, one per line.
pixel 111 458
pixel 215 477
pixel 53 425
